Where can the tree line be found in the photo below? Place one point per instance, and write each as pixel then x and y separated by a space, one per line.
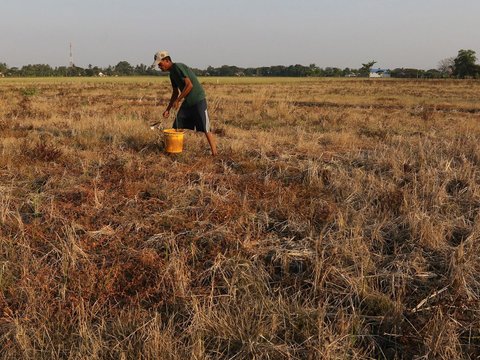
pixel 462 66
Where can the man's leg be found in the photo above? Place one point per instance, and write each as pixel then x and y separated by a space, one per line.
pixel 212 142
pixel 204 125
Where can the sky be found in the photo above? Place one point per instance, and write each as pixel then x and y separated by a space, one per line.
pixel 245 33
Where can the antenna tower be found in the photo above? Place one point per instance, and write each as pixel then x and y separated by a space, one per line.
pixel 71 57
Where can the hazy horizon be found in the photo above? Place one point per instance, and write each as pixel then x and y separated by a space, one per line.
pixel 328 33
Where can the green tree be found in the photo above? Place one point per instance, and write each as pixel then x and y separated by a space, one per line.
pixel 365 69
pixel 408 73
pixel 227 70
pixel 313 70
pixel 14 71
pixel 297 70
pixel 141 69
pixel 123 68
pixel 278 70
pixel 464 64
pixel 36 70
pixel 3 68
pixel 433 74
pixel 332 72
pixel 61 71
pixel 347 72
pixel 109 70
pixel 75 71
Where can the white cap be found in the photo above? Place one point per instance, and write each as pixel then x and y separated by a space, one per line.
pixel 159 56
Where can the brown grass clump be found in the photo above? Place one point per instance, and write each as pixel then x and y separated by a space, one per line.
pixel 340 225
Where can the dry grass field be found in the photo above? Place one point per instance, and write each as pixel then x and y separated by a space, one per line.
pixel 341 220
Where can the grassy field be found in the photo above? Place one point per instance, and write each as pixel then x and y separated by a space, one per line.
pixel 341 220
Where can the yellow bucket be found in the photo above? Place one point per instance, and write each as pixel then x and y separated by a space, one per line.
pixel 173 140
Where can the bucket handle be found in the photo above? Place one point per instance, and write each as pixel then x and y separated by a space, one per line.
pixel 174 113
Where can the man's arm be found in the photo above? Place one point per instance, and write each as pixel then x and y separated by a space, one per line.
pixel 173 98
pixel 186 90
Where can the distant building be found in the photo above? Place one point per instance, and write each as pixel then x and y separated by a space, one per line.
pixel 1 75
pixel 379 73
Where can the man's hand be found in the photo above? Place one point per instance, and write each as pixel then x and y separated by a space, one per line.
pixel 166 114
pixel 176 104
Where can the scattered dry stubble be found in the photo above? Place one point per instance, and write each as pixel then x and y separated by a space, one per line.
pixel 341 223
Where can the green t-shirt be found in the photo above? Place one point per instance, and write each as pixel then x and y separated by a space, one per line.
pixel 180 71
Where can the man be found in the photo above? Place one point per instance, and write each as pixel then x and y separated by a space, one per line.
pixel 192 114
